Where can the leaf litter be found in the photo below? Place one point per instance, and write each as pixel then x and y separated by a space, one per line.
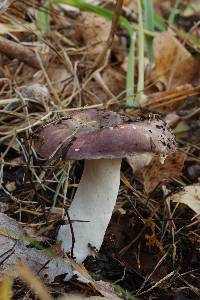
pixel 151 247
pixel 15 246
pixel 190 196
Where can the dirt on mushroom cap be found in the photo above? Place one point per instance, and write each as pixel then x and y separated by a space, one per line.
pixel 94 134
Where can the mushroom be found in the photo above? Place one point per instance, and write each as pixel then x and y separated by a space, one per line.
pixel 102 139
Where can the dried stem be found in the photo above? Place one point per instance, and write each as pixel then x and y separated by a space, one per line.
pixel 15 50
pixel 103 55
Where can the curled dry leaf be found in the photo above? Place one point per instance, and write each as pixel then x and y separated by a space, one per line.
pixel 156 173
pixel 174 65
pixel 151 172
pixel 189 196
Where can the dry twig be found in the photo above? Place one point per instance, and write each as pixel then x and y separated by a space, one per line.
pixel 14 50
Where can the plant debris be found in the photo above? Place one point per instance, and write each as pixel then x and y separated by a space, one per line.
pixel 105 57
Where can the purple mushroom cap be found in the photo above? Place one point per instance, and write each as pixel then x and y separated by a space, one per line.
pixel 95 134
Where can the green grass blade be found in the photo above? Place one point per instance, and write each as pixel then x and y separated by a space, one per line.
pixel 149 25
pixel 140 86
pixel 42 18
pixel 173 13
pixel 159 22
pixel 104 12
pixel 84 6
pixel 130 76
pixel 108 14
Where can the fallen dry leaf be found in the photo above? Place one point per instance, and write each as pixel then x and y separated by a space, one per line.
pixel 151 172
pixel 156 173
pixel 114 79
pixel 138 162
pixel 189 196
pixel 104 288
pixel 106 86
pixel 122 233
pixel 95 31
pixel 59 76
pixel 174 65
pixel 96 93
pixel 15 246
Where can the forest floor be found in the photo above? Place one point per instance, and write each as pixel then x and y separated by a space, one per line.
pixel 151 249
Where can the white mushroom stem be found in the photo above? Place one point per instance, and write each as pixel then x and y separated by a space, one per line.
pixel 93 205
